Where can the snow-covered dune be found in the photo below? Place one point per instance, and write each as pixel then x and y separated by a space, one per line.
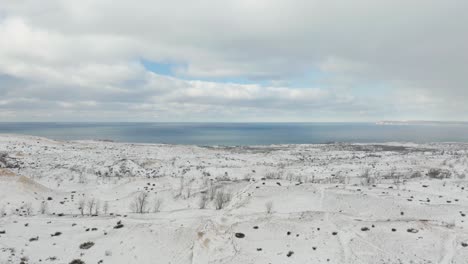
pixel 143 203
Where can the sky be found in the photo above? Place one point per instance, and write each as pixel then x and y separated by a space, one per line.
pixel 233 61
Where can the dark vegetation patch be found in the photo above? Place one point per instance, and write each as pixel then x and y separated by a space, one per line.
pixel 239 235
pixel 87 245
pixel 56 234
pixel 118 225
pixel 412 230
pixel 77 261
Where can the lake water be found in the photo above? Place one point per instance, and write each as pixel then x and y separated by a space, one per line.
pixel 241 133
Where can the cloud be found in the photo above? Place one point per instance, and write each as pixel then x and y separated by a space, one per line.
pixel 302 60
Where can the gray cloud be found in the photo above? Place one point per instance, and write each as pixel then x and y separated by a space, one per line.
pixel 83 57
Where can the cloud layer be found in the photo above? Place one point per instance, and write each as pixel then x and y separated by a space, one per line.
pixel 292 60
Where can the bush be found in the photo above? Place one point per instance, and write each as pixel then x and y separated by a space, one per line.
pixel 87 245
pixel 439 174
pixel 140 203
pixel 119 225
pixel 222 198
pixel 77 261
pixel 367 179
pixel 157 204
pixel 43 208
pixel 274 175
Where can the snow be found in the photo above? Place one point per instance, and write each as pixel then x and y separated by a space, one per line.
pixel 324 209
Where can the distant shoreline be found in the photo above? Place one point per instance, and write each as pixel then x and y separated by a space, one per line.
pixel 424 123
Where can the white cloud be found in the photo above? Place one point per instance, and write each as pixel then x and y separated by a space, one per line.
pixel 61 53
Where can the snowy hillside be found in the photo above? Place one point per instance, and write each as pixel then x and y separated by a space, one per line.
pixel 105 202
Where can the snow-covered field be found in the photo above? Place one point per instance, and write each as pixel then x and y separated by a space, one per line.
pixel 141 203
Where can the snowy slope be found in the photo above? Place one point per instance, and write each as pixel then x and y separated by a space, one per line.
pixel 330 203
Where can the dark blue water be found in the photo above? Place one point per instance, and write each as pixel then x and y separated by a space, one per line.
pixel 241 133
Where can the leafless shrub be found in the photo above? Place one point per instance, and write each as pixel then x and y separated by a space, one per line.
pixel 342 178
pixel 367 178
pixel 439 174
pixel 139 203
pixel 97 207
pixel 395 176
pixel 222 198
pixel 43 208
pixel 203 201
pixel 157 204
pixel 212 189
pixel 269 207
pixel 311 179
pixel 81 205
pixel 188 192
pixel 91 203
pixel 273 175
pixel 106 207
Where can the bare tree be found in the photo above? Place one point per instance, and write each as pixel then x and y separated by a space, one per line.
pixel 81 205
pixel 367 179
pixel 106 207
pixel 97 207
pixel 269 207
pixel 222 198
pixel 157 204
pixel 43 207
pixel 396 177
pixel 139 203
pixel 203 201
pixel 212 191
pixel 188 193
pixel 91 203
pixel 342 178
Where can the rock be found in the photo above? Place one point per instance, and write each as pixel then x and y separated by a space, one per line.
pixel 412 230
pixel 239 235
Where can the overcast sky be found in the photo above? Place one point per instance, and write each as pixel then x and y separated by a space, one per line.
pixel 240 60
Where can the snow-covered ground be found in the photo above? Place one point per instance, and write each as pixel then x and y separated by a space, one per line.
pixel 330 203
